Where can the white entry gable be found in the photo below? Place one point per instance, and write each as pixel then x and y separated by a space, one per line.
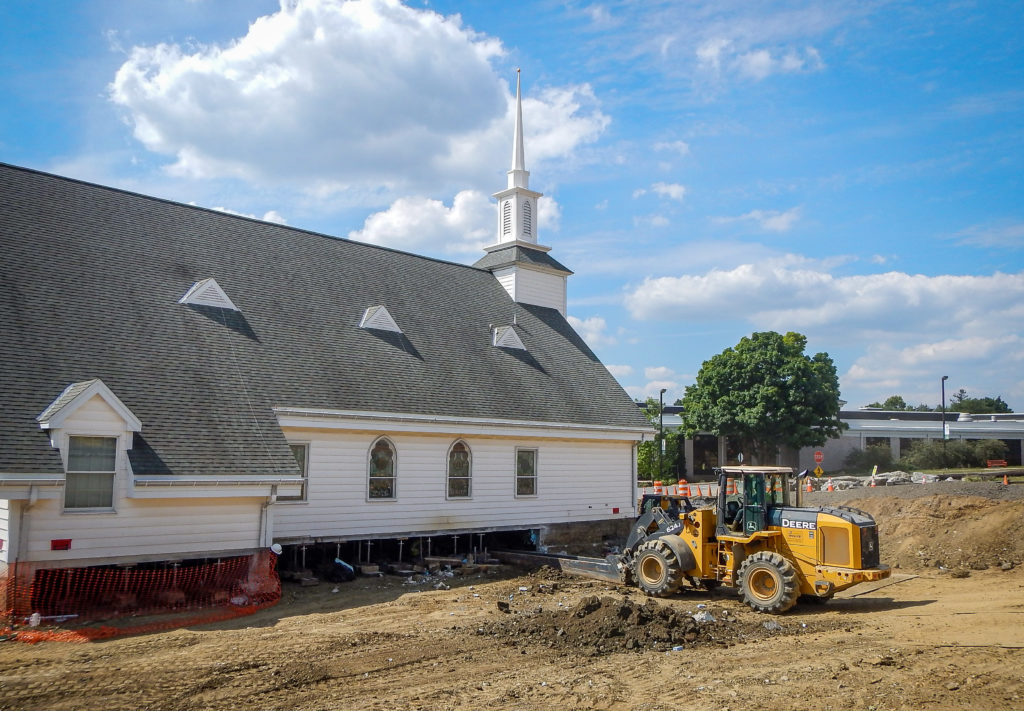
pixel 75 396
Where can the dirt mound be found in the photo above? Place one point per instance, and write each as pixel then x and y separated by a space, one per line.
pixel 602 625
pixel 951 532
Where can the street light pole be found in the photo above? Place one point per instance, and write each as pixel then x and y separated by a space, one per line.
pixel 944 379
pixel 661 430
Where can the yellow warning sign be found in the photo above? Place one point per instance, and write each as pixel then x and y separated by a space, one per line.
pixel 818 471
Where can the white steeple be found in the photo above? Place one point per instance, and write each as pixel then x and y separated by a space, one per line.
pixel 517 204
pixel 524 267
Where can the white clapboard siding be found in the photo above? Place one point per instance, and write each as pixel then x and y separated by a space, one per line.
pixel 529 286
pixel 5 522
pixel 577 481
pixel 541 288
pixel 507 279
pixel 144 528
pixel 94 416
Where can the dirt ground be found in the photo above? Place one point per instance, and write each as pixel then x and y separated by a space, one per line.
pixel 945 632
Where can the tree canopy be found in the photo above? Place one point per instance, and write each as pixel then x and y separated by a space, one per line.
pixel 896 402
pixel 958 402
pixel 673 461
pixel 977 405
pixel 766 392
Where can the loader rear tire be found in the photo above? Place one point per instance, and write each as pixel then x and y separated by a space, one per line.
pixel 768 583
pixel 656 569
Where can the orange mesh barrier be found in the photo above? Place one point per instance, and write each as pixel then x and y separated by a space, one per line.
pixel 83 604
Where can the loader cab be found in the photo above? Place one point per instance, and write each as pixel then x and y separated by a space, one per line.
pixel 671 504
pixel 747 494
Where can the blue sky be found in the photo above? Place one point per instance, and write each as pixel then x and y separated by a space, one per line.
pixel 850 171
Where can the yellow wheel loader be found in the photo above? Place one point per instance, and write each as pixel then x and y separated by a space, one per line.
pixel 755 537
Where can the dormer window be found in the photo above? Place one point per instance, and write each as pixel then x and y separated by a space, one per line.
pixel 378 317
pixel 89 482
pixel 208 293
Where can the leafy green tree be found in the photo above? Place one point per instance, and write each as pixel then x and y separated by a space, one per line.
pixel 897 403
pixel 766 392
pixel 861 461
pixel 977 405
pixel 958 402
pixel 957 454
pixel 672 461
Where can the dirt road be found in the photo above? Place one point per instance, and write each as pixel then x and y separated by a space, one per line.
pixel 934 636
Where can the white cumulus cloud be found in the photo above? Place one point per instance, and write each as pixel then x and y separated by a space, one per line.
pixel 761 63
pixel 369 96
pixel 659 372
pixel 767 220
pixel 672 191
pixel 593 331
pixel 415 223
pixel 899 330
pixel 799 293
pixel 680 147
pixel 620 371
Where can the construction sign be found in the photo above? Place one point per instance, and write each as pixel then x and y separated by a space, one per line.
pixel 818 471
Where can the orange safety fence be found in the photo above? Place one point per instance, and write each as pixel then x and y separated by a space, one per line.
pixel 83 604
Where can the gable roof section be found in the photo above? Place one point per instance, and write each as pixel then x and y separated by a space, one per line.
pixel 76 395
pixel 89 290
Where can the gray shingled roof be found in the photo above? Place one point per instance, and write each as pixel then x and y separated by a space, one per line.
pixel 89 283
pixel 518 254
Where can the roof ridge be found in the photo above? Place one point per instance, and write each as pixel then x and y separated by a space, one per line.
pixel 233 215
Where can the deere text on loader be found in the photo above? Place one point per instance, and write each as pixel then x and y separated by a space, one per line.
pixel 754 537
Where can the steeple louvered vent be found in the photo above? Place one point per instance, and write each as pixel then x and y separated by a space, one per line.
pixel 506 337
pixel 208 293
pixel 377 317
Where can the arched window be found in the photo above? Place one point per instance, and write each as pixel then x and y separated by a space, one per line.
pixel 460 471
pixel 506 218
pixel 527 217
pixel 381 482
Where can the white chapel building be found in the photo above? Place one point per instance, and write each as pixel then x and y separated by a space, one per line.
pixel 181 383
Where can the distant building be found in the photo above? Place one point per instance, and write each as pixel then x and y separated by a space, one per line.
pixel 866 427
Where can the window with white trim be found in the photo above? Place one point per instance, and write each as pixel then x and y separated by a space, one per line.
pixel 382 470
pixel 301 454
pixel 526 472
pixel 89 482
pixel 527 218
pixel 506 218
pixel 460 471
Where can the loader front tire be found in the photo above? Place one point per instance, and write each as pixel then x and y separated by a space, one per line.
pixel 768 583
pixel 656 569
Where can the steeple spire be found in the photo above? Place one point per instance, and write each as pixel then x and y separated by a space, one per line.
pixel 517 204
pixel 516 259
pixel 518 171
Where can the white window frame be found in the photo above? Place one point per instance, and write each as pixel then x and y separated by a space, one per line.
pixel 303 496
pixel 68 472
pixel 448 472
pixel 534 476
pixel 394 470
